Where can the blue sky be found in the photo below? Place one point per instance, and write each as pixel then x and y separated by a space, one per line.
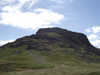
pixel 24 17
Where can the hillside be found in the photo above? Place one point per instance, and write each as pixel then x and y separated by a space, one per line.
pixel 51 49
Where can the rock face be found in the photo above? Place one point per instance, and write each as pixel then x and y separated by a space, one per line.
pixel 66 36
pixel 48 39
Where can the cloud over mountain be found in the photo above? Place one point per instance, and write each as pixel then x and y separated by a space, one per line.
pixel 2 42
pixel 93 33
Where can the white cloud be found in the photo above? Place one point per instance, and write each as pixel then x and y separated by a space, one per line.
pixel 37 19
pixel 21 2
pixel 31 2
pixel 93 33
pixel 94 39
pixel 92 36
pixel 96 43
pixel 96 29
pixel 4 2
pixel 3 42
pixel 30 20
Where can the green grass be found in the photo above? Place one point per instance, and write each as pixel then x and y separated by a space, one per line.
pixel 58 61
pixel 59 70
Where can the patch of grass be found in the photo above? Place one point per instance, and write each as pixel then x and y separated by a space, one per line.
pixel 94 73
pixel 22 61
pixel 57 61
pixel 50 34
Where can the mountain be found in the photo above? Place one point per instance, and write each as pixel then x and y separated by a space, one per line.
pixel 48 48
pixel 56 37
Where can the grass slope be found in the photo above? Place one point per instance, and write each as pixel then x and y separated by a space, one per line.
pixel 56 62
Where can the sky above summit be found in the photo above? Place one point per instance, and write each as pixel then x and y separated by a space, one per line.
pixel 19 18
